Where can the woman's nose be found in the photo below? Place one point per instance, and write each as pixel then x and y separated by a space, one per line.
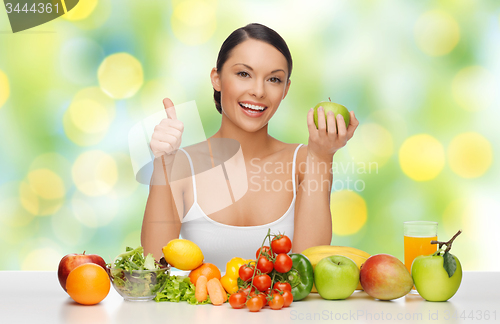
pixel 258 89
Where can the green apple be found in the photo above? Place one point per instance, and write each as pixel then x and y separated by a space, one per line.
pixel 336 108
pixel 336 277
pixel 432 280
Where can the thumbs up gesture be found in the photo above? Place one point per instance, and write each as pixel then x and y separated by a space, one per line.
pixel 167 135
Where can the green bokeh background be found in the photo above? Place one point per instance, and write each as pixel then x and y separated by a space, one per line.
pixel 404 67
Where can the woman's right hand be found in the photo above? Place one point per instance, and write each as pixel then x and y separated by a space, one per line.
pixel 167 135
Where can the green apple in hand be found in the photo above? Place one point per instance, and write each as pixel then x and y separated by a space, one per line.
pixel 336 108
pixel 437 276
pixel 336 277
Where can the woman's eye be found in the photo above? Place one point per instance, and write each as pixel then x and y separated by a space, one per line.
pixel 243 74
pixel 275 80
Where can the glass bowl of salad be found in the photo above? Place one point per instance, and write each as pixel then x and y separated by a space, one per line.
pixel 137 278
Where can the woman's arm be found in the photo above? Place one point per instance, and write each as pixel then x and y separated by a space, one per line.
pixel 313 221
pixel 161 221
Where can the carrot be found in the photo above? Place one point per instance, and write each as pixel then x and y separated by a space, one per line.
pixel 201 289
pixel 217 293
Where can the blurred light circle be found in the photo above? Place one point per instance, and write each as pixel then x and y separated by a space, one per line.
pixel 349 212
pixel 56 163
pixel 95 211
pixel 12 211
pixel 82 10
pixel 4 88
pixel 46 184
pixel 79 59
pixel 89 116
pixel 66 227
pixel 194 21
pixel 373 144
pixel 126 183
pixel 437 33
pixel 36 204
pixel 29 199
pixel 470 155
pixel 474 88
pixel 95 173
pixel 120 75
pixel 42 259
pixel 421 157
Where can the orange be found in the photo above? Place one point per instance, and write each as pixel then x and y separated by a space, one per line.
pixel 208 270
pixel 88 284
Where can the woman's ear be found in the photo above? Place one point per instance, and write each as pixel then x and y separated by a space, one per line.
pixel 215 78
pixel 286 88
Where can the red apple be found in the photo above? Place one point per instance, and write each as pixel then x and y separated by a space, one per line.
pixel 385 277
pixel 73 260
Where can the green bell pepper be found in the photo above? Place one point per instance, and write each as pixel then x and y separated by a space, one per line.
pixel 301 276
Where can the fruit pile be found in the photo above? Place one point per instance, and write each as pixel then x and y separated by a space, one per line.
pixel 84 277
pixel 275 278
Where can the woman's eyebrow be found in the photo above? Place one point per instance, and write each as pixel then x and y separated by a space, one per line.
pixel 250 68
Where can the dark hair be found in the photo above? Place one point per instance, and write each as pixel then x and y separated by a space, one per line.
pixel 253 31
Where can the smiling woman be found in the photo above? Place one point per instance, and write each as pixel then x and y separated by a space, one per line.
pixel 187 198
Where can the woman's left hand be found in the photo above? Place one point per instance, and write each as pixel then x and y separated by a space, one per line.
pixel 324 141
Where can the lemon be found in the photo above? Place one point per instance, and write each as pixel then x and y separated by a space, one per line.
pixel 183 254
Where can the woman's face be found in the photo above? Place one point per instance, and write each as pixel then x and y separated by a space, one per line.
pixel 253 81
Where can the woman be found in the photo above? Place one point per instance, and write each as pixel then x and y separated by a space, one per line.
pixel 250 80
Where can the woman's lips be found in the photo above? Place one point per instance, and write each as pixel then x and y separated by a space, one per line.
pixel 252 112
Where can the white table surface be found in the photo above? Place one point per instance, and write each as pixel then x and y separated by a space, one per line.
pixel 37 297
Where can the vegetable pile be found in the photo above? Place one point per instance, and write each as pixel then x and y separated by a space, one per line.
pixel 290 276
pixel 179 288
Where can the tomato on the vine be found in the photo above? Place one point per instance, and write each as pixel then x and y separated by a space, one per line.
pixel 281 244
pixel 283 286
pixel 265 250
pixel 283 263
pixel 247 291
pixel 262 282
pixel 277 301
pixel 237 300
pixel 261 295
pixel 265 265
pixel 246 272
pixel 254 304
pixel 287 297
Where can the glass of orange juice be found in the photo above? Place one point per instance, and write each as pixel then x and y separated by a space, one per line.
pixel 417 240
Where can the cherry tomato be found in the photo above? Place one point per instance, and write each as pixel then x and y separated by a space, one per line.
pixel 245 272
pixel 254 304
pixel 261 295
pixel 265 249
pixel 262 282
pixel 288 298
pixel 283 286
pixel 281 244
pixel 247 290
pixel 283 263
pixel 277 302
pixel 265 265
pixel 238 300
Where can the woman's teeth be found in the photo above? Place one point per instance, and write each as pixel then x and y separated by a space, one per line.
pixel 254 107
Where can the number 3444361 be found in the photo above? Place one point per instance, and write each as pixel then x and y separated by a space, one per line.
pixel 34 8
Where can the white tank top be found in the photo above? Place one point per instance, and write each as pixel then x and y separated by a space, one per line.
pixel 221 242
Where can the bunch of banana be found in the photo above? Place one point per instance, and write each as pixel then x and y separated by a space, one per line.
pixel 316 253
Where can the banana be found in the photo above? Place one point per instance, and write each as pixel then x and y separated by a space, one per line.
pixel 316 253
